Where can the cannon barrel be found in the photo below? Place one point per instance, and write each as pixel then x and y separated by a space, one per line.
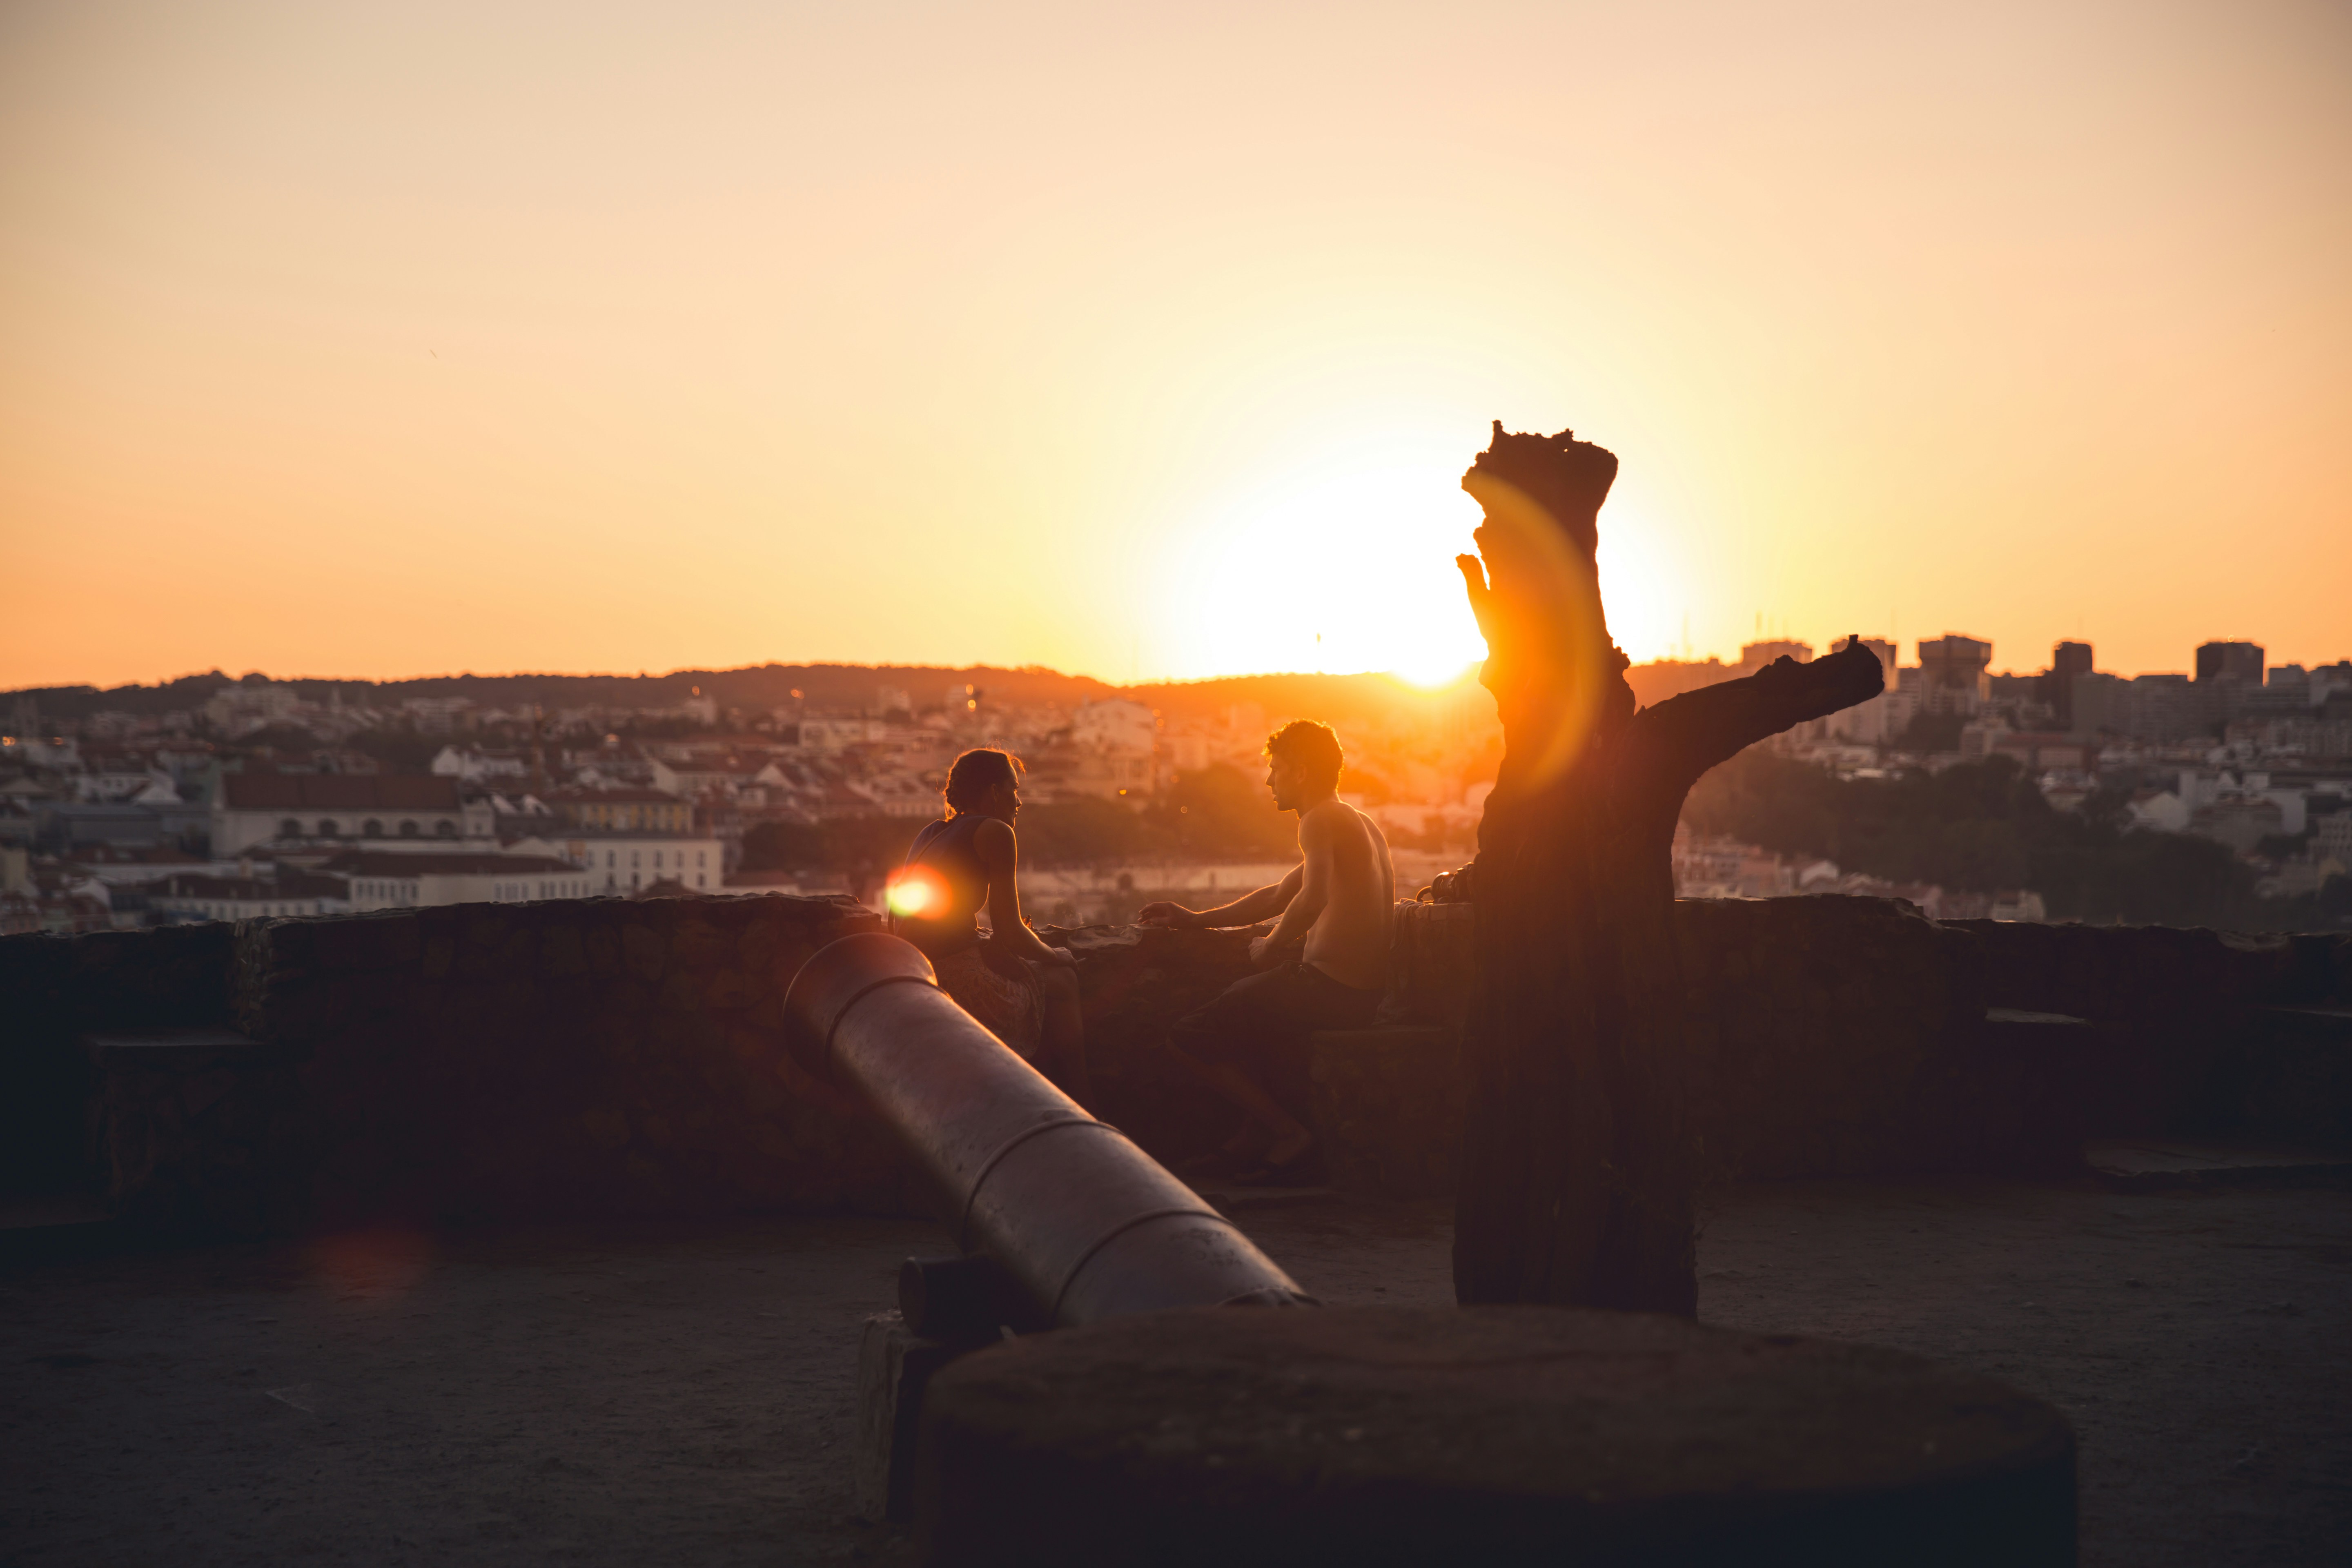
pixel 1085 1225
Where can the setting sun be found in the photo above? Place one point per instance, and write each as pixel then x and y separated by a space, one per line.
pixel 1434 674
pixel 1014 353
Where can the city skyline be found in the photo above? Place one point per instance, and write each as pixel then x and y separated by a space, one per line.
pixel 1464 676
pixel 383 344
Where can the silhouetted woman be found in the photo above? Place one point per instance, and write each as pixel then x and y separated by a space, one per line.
pixel 1025 992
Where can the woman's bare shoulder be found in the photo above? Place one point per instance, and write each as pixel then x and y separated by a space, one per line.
pixel 994 839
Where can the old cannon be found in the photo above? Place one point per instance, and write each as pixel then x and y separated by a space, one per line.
pixel 1078 1223
pixel 1058 1219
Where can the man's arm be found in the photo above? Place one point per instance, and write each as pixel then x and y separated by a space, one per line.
pixel 1246 910
pixel 1314 891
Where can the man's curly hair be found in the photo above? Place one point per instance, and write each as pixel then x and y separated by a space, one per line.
pixel 1315 748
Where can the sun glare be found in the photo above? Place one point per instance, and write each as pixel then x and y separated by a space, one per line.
pixel 1435 672
pixel 916 892
pixel 1342 563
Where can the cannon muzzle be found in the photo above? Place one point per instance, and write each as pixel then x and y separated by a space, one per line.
pixel 1081 1222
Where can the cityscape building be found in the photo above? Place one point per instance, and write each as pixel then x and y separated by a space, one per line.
pixel 2232 660
pixel 2069 662
pixel 1954 675
pixel 262 799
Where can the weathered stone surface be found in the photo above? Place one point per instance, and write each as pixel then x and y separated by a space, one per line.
pixel 1435 964
pixel 55 988
pixel 894 1370
pixel 1489 1436
pixel 193 1131
pixel 1387 1107
pixel 643 951
pixel 1133 984
pixel 1825 1036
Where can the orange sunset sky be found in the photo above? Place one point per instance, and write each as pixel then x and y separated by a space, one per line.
pixel 377 341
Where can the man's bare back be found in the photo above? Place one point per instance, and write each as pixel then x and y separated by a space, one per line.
pixel 1349 940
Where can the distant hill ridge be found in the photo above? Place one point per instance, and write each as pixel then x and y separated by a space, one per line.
pixel 1336 697
pixel 767 686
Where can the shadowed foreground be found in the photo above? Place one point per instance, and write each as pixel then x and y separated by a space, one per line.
pixel 683 1393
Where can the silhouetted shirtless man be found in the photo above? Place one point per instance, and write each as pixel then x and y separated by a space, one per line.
pixel 1340 900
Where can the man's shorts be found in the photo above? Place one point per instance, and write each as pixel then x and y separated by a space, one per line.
pixel 1261 1012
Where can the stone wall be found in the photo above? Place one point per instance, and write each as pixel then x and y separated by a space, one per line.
pixel 52 989
pixel 602 1057
pixel 592 1057
pixel 2196 1030
pixel 1845 1036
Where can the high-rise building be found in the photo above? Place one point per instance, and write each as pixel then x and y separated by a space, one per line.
pixel 1869 722
pixel 1754 656
pixel 1952 669
pixel 2162 708
pixel 2239 660
pixel 2095 703
pixel 2067 660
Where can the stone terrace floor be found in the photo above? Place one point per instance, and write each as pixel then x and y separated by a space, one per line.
pixel 682 1393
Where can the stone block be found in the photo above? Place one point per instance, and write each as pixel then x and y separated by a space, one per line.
pixel 699 946
pixel 730 989
pixel 684 994
pixel 364 942
pixel 643 953
pixel 1387 1107
pixel 894 1369
pixel 561 955
pixel 1492 1436
pixel 626 995
pixel 1434 963
pixel 516 958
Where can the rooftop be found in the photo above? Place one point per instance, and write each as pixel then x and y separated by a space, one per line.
pixel 577 794
pixel 339 792
pixel 397 863
pixel 289 885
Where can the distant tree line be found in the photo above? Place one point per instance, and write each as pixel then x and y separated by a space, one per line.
pixel 1985 828
pixel 1217 813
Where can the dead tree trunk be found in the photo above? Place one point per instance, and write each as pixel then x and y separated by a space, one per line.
pixel 1577 1162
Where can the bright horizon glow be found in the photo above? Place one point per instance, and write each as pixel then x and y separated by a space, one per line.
pixel 370 342
pixel 1434 677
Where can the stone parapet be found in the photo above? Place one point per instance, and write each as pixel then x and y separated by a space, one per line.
pixel 595 1057
pixel 54 990
pixel 612 1056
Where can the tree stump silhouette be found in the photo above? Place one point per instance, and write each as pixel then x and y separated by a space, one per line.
pixel 1576 1163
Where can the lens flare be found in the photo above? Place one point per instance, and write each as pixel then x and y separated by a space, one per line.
pixel 917 892
pixel 1547 608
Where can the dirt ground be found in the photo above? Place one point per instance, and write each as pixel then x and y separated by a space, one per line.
pixel 682 1393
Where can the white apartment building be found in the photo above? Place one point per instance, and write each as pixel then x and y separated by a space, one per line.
pixel 385 880
pixel 255 808
pixel 833 734
pixel 1117 725
pixel 622 863
pixel 201 896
